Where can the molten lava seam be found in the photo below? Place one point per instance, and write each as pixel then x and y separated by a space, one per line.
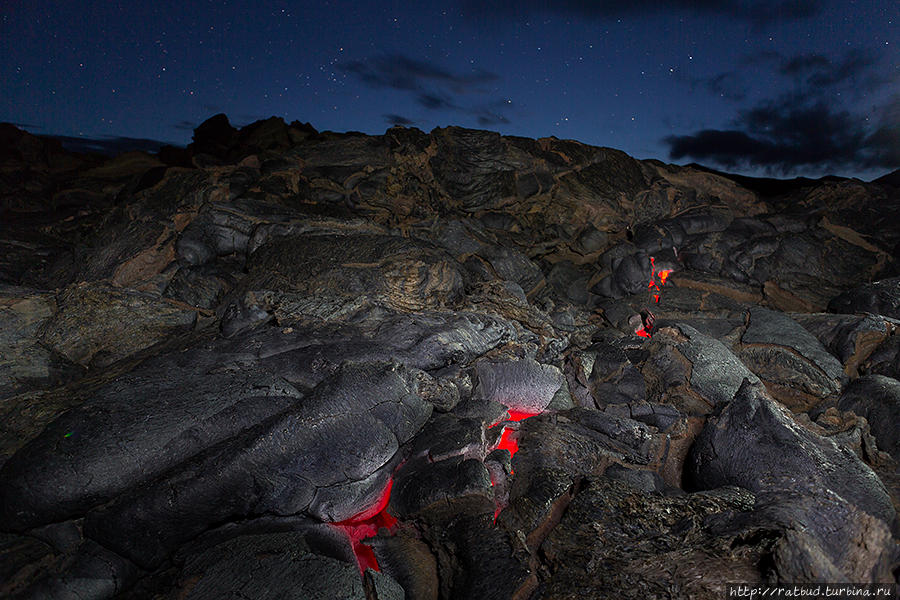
pixel 644 330
pixel 506 441
pixel 365 525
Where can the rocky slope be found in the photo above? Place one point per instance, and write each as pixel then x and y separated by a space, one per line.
pixel 210 356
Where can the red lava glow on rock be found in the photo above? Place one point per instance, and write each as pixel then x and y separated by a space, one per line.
pixel 506 441
pixel 365 525
pixel 657 280
pixel 654 275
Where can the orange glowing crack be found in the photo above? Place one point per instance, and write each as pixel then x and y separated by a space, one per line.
pixel 366 525
pixel 662 276
pixel 654 275
pixel 506 441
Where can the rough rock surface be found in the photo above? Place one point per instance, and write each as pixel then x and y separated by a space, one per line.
pixel 219 363
pixel 795 366
pixel 879 297
pixel 877 398
pixel 834 504
pixel 617 540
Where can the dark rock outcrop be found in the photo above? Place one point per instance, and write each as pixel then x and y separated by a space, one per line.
pixel 879 297
pixel 795 366
pixel 837 511
pixel 877 398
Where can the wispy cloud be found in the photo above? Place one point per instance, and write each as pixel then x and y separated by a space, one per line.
pixel 817 71
pixel 728 85
pixel 404 73
pixel 785 134
pixel 394 119
pixel 819 124
pixel 433 86
pixel 434 101
pixel 108 145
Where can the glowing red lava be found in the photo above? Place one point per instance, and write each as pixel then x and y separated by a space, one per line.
pixel 646 330
pixel 506 441
pixel 365 525
pixel 661 275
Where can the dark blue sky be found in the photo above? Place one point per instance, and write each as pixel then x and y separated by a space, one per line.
pixel 799 87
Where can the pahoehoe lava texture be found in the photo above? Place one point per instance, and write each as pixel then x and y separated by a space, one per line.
pixel 210 356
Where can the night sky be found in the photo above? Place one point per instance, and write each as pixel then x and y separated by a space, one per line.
pixel 767 87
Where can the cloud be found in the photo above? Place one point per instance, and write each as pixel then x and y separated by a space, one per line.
pixel 818 71
pixel 799 65
pixel 487 118
pixel 812 75
pixel 398 119
pixel 728 85
pixel 787 134
pixel 108 145
pixel 759 12
pixel 400 72
pixel 820 124
pixel 185 125
pixel 434 102
pixel 432 86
